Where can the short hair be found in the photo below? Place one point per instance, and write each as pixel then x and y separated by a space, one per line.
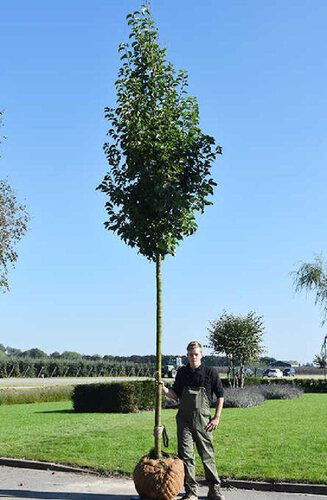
pixel 194 345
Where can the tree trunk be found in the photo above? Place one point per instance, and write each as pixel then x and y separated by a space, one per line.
pixel 157 434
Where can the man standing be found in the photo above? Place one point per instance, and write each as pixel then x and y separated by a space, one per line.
pixel 194 386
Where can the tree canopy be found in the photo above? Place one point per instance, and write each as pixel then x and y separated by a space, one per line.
pixel 313 277
pixel 13 225
pixel 160 160
pixel 239 338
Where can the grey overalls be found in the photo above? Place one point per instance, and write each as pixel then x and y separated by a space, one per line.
pixel 192 418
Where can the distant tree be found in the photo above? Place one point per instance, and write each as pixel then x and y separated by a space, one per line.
pixel 159 159
pixel 95 357
pixel 55 355
pixel 13 226
pixel 34 354
pixel 12 351
pixel 72 355
pixel 313 277
pixel 320 361
pixel 239 338
pixel 2 348
pixel 266 360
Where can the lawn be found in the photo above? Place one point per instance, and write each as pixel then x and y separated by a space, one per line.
pixel 280 440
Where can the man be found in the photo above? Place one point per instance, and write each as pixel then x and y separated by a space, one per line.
pixel 194 386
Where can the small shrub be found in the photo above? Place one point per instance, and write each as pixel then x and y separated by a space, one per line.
pixel 242 398
pixel 276 391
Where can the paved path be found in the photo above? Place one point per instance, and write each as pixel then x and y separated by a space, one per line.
pixel 20 483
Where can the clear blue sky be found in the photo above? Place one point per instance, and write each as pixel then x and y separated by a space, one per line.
pixel 259 72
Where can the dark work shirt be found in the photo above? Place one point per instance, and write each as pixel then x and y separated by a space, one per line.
pixel 203 376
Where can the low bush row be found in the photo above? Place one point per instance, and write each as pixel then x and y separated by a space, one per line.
pixel 126 397
pixel 307 384
pixel 47 395
pixel 27 367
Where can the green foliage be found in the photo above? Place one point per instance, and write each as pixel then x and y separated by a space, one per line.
pixel 278 391
pixel 160 160
pixel 310 385
pixel 34 353
pixel 239 338
pixel 117 397
pixel 13 225
pixel 28 367
pixel 320 361
pixel 313 277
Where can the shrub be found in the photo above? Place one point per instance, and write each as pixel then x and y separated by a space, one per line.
pixel 307 384
pixel 248 381
pixel 242 398
pixel 116 397
pixel 47 395
pixel 278 391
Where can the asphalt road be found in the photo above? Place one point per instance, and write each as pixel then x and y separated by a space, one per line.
pixel 20 483
pixel 33 383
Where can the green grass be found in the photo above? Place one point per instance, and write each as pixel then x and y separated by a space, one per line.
pixel 280 440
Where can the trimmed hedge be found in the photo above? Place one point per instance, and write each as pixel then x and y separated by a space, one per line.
pixel 313 385
pixel 116 397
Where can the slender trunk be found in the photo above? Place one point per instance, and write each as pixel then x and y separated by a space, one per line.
pixel 157 434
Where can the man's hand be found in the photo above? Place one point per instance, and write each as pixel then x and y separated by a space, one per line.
pixel 213 424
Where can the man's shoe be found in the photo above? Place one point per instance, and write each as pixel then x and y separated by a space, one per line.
pixel 215 493
pixel 189 496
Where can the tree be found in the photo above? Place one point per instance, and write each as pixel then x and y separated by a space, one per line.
pixel 12 351
pixel 159 159
pixel 34 353
pixel 72 355
pixel 313 277
pixel 320 361
pixel 13 225
pixel 239 338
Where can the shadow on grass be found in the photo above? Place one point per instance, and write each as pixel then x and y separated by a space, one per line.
pixel 56 411
pixel 52 495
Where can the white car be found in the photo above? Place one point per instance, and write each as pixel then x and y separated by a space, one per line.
pixel 273 373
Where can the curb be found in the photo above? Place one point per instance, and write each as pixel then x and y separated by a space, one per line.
pixel 310 489
pixel 36 464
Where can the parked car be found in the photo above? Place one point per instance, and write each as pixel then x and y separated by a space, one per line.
pixel 273 373
pixel 247 371
pixel 289 372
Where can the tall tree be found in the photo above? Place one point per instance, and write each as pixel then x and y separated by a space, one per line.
pixel 312 277
pixel 239 338
pixel 13 225
pixel 158 156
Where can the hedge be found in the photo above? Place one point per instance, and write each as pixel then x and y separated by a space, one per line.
pixel 27 367
pixel 115 397
pixel 312 385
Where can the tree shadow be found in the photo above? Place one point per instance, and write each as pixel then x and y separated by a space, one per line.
pixel 53 495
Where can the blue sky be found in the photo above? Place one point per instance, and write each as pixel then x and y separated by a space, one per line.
pixel 259 72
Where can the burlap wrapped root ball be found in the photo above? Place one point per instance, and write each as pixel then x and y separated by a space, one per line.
pixel 160 478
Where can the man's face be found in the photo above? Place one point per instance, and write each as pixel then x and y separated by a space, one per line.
pixel 194 357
